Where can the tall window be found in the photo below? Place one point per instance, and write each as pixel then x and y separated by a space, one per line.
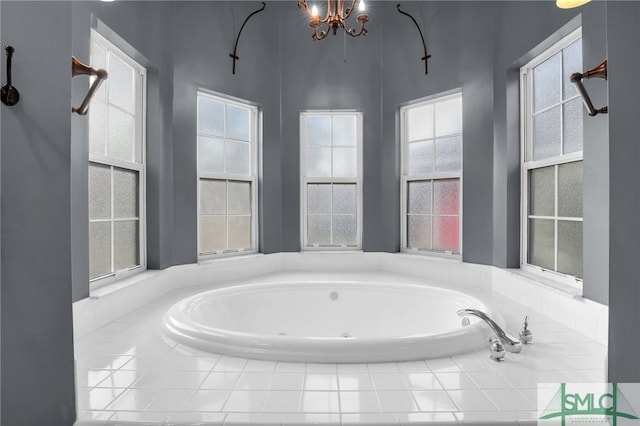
pixel 116 165
pixel 331 170
pixel 552 161
pixel 431 136
pixel 227 175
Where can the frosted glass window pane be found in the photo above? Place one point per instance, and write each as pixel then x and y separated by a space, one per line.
pixel 572 125
pixel 419 198
pixel 446 196
pixel 213 233
pixel 446 233
pixel 319 162
pixel 99 191
pixel 121 134
pixel 99 249
pixel 448 154
pixel 125 193
pixel 126 244
pixel 210 117
pixel 449 117
pixel 419 231
pixel 213 196
pixel 546 134
pixel 97 130
pixel 319 229
pixel 570 189
pixel 344 130
pixel 120 85
pixel 570 248
pixel 319 198
pixel 318 130
pixel 541 243
pixel 344 162
pixel 546 83
pixel 420 123
pixel 98 60
pixel 239 232
pixel 238 157
pixel 239 197
pixel 542 192
pixel 571 62
pixel 238 123
pixel 420 157
pixel 210 154
pixel 344 229
pixel 344 198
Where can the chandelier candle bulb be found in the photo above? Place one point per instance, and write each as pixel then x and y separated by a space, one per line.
pixel 362 7
pixel 314 11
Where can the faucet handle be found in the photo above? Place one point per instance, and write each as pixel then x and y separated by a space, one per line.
pixel 525 334
pixel 497 349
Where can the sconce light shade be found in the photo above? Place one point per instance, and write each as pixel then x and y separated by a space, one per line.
pixel 570 4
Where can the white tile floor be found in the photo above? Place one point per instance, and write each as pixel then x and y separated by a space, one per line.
pixel 129 373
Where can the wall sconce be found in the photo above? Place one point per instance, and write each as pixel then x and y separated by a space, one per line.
pixel 78 68
pixel 9 95
pixel 576 78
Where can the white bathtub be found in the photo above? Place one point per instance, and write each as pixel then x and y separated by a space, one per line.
pixel 328 321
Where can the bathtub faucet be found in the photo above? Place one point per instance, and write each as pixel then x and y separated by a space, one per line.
pixel 510 344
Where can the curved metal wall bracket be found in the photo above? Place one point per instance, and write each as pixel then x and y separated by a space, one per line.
pixel 576 78
pixel 234 55
pixel 78 68
pixel 426 56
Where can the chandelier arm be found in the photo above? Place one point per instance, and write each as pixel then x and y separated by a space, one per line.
pixel 352 31
pixel 320 36
pixel 426 56
pixel 350 9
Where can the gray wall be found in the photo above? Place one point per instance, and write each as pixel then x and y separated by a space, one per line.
pixel 623 34
pixel 37 341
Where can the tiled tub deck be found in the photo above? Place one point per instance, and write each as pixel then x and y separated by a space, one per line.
pixel 128 372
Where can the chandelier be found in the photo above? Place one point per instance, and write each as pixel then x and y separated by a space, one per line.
pixel 335 18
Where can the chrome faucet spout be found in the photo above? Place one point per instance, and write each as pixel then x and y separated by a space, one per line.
pixel 510 344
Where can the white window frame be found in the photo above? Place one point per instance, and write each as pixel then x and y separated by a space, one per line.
pixel 140 125
pixel 406 178
pixel 306 180
pixel 526 151
pixel 255 144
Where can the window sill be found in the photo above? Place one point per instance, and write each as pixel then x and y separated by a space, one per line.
pixel 433 255
pixel 324 250
pixel 114 286
pixel 227 257
pixel 548 283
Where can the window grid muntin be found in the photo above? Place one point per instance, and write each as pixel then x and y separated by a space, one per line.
pixel 137 165
pixel 529 164
pixel 310 180
pixel 432 176
pixel 250 177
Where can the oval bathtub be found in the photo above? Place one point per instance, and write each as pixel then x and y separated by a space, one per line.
pixel 338 321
